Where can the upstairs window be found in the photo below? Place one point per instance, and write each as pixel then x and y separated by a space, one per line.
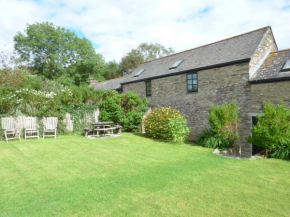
pixel 286 66
pixel 192 84
pixel 148 88
pixel 139 72
pixel 176 64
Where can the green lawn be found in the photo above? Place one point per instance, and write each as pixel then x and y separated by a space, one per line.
pixel 135 176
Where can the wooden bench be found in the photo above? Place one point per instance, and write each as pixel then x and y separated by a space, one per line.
pixel 103 129
pixel 119 128
pixel 87 130
pixel 110 130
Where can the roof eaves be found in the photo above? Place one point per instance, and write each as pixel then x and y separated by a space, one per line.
pixel 280 51
pixel 269 80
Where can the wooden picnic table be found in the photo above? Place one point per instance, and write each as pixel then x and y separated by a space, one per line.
pixel 100 127
pixel 102 124
pixel 105 127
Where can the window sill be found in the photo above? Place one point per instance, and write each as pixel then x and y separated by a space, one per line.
pixel 192 91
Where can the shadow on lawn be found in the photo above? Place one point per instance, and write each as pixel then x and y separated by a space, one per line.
pixel 163 141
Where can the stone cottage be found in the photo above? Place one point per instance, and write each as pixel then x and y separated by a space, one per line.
pixel 248 68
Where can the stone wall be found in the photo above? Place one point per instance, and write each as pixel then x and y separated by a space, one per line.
pixel 217 85
pixel 274 92
pixel 266 46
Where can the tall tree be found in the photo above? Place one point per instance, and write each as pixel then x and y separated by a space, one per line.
pixel 111 70
pixel 144 52
pixel 52 52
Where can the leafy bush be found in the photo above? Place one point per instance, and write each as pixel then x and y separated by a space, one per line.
pixel 167 124
pixel 282 151
pixel 273 130
pixel 19 78
pixel 126 109
pixel 223 120
pixel 211 140
pixel 50 99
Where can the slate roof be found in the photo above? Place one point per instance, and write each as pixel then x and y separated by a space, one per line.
pixel 271 68
pixel 111 84
pixel 232 49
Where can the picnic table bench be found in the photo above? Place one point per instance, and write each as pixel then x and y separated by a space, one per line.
pixel 104 127
pixel 108 131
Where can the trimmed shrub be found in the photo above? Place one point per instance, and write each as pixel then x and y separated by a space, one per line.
pixel 223 120
pixel 167 124
pixel 273 130
pixel 126 109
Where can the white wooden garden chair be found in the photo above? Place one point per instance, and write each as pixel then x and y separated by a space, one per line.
pixel 30 128
pixel 9 129
pixel 50 127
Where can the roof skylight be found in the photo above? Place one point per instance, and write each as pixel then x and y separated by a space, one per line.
pixel 176 64
pixel 286 67
pixel 139 72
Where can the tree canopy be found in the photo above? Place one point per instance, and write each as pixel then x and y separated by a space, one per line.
pixel 111 70
pixel 144 52
pixel 54 52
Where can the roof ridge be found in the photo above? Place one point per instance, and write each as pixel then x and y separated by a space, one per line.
pixel 209 44
pixel 287 49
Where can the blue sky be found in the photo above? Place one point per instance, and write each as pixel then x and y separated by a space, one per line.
pixel 115 27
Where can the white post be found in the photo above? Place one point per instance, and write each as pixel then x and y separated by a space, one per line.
pixel 69 123
pixel 96 115
pixel 143 119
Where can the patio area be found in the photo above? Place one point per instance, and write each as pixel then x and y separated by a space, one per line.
pixel 135 176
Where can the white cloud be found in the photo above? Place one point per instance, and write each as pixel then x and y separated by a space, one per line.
pixel 116 27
